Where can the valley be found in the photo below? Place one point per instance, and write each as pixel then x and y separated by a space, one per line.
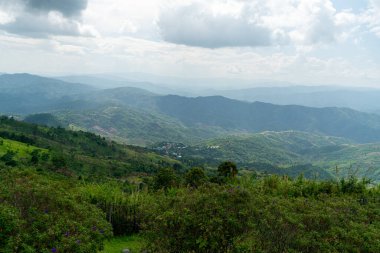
pixel 128 162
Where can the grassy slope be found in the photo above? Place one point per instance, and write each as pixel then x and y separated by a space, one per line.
pixel 116 245
pixel 22 150
pixel 85 153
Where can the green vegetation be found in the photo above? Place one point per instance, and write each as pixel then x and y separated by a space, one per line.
pixel 285 153
pixel 79 153
pixel 66 191
pixel 133 126
pixel 136 116
pixel 134 243
pixel 234 116
pixel 41 213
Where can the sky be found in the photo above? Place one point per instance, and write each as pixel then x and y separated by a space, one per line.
pixel 299 41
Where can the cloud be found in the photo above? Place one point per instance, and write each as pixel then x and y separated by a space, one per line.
pixel 68 8
pixel 44 18
pixel 197 25
pixel 43 26
pixel 372 17
pixel 254 23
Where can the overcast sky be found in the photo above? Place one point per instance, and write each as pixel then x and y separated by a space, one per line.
pixel 301 41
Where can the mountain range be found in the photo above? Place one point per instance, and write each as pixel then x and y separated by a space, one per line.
pixel 282 139
pixel 125 111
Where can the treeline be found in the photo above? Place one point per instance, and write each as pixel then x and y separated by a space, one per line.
pixel 222 213
pixel 188 212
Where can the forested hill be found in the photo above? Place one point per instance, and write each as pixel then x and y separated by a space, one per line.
pixel 257 117
pixel 126 111
pixel 288 152
pixel 73 153
pixel 25 93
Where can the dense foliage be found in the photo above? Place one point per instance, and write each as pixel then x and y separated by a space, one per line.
pixel 267 215
pixel 70 152
pixel 42 214
pixel 65 191
pixel 283 153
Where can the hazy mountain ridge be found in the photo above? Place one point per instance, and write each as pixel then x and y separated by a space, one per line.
pixel 363 99
pixel 256 117
pixel 178 117
pixel 281 93
pixel 25 93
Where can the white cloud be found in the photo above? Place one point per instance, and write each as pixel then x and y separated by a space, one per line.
pixel 253 23
pixel 5 18
pixel 290 40
pixel 123 17
pixel 372 17
pixel 54 23
pixel 43 18
pixel 197 24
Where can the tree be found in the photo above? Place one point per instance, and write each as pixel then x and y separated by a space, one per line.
pixel 35 156
pixel 7 158
pixel 165 178
pixel 58 162
pixel 195 177
pixel 227 169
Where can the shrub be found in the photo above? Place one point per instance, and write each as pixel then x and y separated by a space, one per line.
pixel 51 218
pixel 195 177
pixel 210 219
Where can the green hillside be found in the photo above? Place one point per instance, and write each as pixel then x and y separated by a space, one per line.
pixel 234 115
pixel 73 191
pixel 127 125
pixel 72 152
pixel 173 118
pixel 18 151
pixel 288 152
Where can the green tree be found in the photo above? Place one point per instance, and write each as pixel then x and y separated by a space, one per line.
pixel 35 156
pixel 206 220
pixel 42 214
pixel 165 178
pixel 227 169
pixel 8 158
pixel 195 177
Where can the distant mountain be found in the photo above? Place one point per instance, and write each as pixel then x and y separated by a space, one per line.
pixel 24 93
pixel 132 113
pixel 143 117
pixel 110 82
pixel 31 84
pixel 363 99
pixel 281 93
pixel 257 117
pixel 122 96
pixel 127 125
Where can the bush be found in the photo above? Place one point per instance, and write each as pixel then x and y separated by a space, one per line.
pixel 124 211
pixel 51 218
pixel 10 225
pixel 8 159
pixel 165 179
pixel 273 214
pixel 210 219
pixel 195 177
